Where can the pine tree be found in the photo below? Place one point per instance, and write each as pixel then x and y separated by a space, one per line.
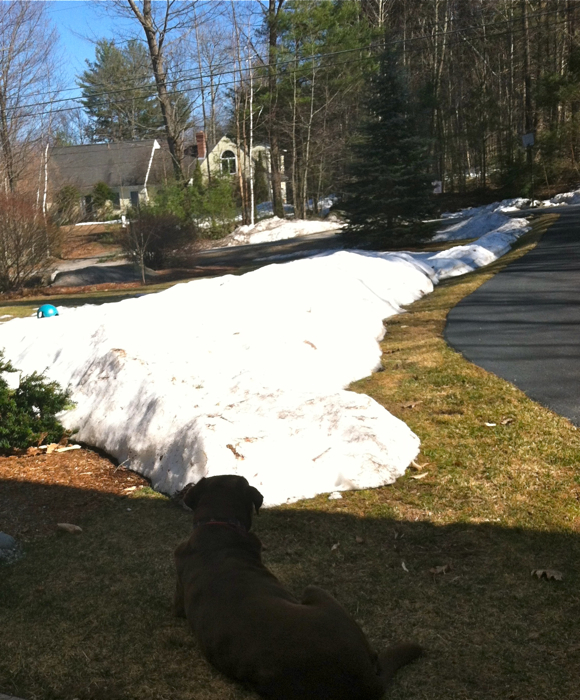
pixel 119 95
pixel 389 172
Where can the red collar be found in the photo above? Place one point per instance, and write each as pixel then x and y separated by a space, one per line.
pixel 233 523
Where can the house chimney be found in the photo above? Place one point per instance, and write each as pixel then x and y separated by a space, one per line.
pixel 200 141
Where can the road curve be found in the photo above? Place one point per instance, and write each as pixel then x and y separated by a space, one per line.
pixel 524 323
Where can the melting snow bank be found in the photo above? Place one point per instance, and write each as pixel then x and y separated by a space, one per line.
pixel 477 221
pixel 237 375
pixel 244 375
pixel 489 247
pixel 276 229
pixel 482 220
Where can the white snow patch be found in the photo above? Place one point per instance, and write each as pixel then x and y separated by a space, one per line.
pixel 276 229
pixel 478 221
pixel 237 375
pixel 563 198
pixel 246 375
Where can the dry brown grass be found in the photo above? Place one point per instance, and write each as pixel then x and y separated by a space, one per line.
pixel 89 617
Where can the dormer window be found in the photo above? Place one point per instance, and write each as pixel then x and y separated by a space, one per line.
pixel 228 162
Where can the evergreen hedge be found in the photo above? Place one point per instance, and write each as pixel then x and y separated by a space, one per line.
pixel 28 413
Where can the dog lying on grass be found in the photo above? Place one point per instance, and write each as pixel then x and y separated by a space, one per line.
pixel 251 628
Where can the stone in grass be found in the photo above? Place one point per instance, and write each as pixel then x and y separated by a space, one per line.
pixel 9 548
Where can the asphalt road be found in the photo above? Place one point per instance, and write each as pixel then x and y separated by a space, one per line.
pixel 524 323
pixel 284 250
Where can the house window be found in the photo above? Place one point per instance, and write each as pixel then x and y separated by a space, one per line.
pixel 134 199
pixel 228 162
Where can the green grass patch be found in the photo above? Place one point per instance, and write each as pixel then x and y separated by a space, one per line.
pixel 89 616
pixel 27 306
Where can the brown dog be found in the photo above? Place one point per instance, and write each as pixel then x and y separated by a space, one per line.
pixel 251 628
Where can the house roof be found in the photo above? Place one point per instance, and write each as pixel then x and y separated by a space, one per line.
pixel 122 164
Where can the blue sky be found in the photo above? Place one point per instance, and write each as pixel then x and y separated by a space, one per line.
pixel 80 23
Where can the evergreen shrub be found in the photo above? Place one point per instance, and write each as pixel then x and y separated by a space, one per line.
pixel 209 209
pixel 28 413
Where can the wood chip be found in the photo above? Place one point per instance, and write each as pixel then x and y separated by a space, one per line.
pixel 419 476
pixel 418 467
pixel 411 404
pixel 69 527
pixel 236 454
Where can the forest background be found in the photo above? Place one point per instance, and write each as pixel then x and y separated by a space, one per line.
pixel 296 75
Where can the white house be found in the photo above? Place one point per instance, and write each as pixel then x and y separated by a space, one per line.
pixel 224 157
pixel 133 169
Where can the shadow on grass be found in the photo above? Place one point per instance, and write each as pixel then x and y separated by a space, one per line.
pixel 88 616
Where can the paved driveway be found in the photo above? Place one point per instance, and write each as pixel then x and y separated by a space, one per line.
pixel 524 323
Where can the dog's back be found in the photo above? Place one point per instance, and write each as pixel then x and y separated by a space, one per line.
pixel 251 628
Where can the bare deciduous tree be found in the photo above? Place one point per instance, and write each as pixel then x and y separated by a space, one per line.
pixel 27 68
pixel 25 241
pixel 160 22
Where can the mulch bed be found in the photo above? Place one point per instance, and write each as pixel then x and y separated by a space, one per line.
pixel 39 491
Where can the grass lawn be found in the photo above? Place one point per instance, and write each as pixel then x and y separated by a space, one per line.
pixel 26 306
pixel 443 557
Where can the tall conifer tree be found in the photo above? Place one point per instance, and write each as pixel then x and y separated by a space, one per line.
pixel 389 172
pixel 119 95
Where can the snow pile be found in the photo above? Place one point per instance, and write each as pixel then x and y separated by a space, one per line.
pixel 276 229
pixel 474 218
pixel 237 375
pixel 478 221
pixel 506 205
pixel 246 374
pixel 466 258
pixel 563 198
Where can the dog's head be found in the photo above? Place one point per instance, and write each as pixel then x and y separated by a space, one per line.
pixel 224 498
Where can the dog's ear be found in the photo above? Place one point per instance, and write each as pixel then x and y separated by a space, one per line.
pixel 194 492
pixel 256 498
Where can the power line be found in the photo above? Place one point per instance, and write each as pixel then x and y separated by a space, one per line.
pixel 236 82
pixel 381 43
pixel 193 74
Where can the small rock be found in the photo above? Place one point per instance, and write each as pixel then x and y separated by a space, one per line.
pixel 334 496
pixel 7 541
pixel 10 550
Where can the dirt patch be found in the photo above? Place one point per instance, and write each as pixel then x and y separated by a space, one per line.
pixel 31 507
pixel 88 241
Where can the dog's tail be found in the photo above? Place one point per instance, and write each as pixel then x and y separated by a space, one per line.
pixel 396 656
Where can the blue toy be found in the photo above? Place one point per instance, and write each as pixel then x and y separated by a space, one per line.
pixel 47 310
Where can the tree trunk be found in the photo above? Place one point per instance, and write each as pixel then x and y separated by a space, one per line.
pixel 202 97
pixel 174 137
pixel 274 7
